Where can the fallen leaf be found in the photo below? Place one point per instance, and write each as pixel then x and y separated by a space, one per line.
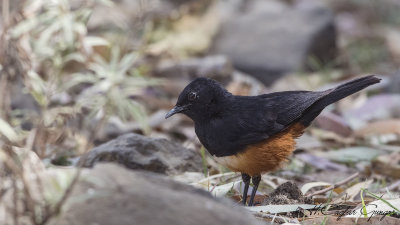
pixel 391 126
pixel 351 154
pixel 306 187
pixel 352 193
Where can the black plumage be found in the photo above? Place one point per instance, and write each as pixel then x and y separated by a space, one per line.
pixel 255 134
pixel 226 124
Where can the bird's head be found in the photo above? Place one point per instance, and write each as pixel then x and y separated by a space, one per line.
pixel 200 99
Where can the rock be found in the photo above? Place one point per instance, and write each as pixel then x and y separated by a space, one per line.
pixel 140 152
pixel 120 196
pixel 270 38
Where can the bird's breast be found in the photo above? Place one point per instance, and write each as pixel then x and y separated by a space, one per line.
pixel 212 138
pixel 264 156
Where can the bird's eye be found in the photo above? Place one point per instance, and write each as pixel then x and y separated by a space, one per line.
pixel 192 96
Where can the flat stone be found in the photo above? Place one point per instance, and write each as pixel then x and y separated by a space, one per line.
pixel 145 153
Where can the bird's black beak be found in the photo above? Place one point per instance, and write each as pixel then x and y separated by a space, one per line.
pixel 175 110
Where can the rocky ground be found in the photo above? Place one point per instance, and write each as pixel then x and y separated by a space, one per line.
pixel 83 134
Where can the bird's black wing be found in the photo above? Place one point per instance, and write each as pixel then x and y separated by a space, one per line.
pixel 261 117
pixel 291 105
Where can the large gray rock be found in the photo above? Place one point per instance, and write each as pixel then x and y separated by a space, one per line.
pixel 269 38
pixel 140 152
pixel 109 194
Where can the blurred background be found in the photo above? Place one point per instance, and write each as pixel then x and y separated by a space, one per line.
pixel 76 74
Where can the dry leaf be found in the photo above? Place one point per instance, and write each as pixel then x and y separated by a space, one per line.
pixel 391 126
pixel 306 187
pixel 353 192
pixel 351 154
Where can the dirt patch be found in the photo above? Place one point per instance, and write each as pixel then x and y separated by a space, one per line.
pixel 287 193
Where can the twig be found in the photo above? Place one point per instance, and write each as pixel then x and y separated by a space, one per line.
pixel 348 179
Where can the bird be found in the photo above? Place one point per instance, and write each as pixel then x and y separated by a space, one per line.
pixel 255 134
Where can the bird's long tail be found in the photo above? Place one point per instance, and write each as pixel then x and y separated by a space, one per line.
pixel 335 94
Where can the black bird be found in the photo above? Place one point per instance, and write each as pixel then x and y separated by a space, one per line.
pixel 255 134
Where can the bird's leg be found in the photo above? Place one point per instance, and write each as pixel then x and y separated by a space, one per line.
pixel 246 181
pixel 256 181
